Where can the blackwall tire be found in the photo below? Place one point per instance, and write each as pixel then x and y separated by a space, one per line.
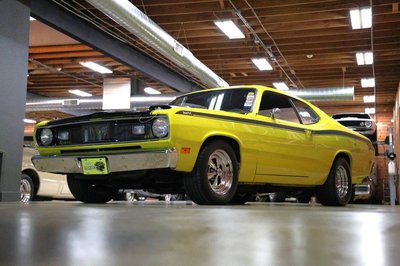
pixel 215 175
pixel 337 189
pixel 27 189
pixel 87 192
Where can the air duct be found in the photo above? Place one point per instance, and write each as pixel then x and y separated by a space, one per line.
pixel 136 22
pixel 92 103
pixel 37 103
pixel 325 94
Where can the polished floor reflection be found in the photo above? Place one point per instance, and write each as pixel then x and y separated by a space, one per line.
pixel 157 233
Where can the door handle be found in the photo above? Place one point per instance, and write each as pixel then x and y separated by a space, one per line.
pixel 308 132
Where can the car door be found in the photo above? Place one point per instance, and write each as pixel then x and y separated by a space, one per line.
pixel 286 148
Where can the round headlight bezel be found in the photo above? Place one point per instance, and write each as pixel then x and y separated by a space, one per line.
pixel 160 127
pixel 368 124
pixel 46 139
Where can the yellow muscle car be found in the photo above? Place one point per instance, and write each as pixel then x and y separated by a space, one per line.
pixel 219 146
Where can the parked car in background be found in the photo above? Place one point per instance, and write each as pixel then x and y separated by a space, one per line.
pixel 37 184
pixel 359 122
pixel 219 146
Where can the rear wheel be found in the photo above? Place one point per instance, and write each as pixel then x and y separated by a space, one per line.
pixel 337 189
pixel 26 188
pixel 215 176
pixel 88 192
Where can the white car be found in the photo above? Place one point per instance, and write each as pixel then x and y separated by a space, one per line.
pixel 359 122
pixel 36 184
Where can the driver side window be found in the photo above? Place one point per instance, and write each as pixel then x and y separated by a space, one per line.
pixel 271 100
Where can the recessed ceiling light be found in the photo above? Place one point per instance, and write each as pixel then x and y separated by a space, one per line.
pixel 29 121
pixel 365 58
pixel 150 90
pixel 369 98
pixel 96 67
pixel 361 18
pixel 368 82
pixel 230 29
pixel 280 86
pixel 370 110
pixel 80 93
pixel 309 56
pixel 262 64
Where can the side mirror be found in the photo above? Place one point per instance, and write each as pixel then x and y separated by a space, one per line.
pixel 275 113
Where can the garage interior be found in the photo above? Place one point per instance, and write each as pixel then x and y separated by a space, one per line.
pixel 311 46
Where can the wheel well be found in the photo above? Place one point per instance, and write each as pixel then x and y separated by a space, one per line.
pixel 344 156
pixel 233 143
pixel 35 178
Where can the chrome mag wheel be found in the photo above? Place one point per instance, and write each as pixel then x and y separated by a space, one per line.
pixel 220 172
pixel 26 190
pixel 342 181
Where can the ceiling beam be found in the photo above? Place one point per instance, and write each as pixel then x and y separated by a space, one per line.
pixel 58 18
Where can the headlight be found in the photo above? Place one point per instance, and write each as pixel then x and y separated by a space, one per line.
pixel 368 124
pixel 160 127
pixel 46 137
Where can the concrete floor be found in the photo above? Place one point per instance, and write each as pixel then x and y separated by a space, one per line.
pixel 158 233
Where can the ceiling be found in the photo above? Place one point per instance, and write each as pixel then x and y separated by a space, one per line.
pixel 312 42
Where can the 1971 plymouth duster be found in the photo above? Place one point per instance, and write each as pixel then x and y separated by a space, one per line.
pixel 219 146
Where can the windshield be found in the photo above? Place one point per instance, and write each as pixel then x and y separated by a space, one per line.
pixel 231 100
pixel 361 116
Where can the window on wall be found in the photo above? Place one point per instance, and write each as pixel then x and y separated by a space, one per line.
pixel 306 114
pixel 271 100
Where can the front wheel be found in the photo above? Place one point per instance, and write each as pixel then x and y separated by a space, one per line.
pixel 88 192
pixel 215 176
pixel 337 189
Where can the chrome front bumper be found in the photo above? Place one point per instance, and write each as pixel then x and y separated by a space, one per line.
pixel 116 162
pixel 362 191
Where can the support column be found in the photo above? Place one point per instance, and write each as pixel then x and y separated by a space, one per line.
pixel 137 86
pixel 14 44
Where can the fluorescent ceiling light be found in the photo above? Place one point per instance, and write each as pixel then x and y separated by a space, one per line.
pixel 262 63
pixel 368 82
pixel 150 90
pixel 370 110
pixel 369 98
pixel 281 86
pixel 361 18
pixel 230 29
pixel 80 93
pixel 96 67
pixel 29 121
pixel 366 58
pixel 31 19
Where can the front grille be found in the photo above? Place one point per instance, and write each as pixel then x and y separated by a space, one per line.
pixel 110 131
pixel 352 123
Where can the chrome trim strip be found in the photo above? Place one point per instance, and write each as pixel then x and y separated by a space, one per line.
pixel 116 162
